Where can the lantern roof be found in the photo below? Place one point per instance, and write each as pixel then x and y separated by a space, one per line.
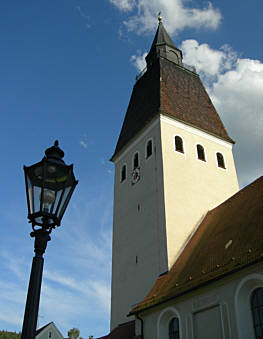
pixel 54 153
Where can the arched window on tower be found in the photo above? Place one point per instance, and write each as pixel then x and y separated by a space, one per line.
pixel 257 312
pixel 123 173
pixel 220 160
pixel 136 160
pixel 174 328
pixel 200 152
pixel 179 146
pixel 149 148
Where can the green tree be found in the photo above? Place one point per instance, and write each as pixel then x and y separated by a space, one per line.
pixel 73 333
pixel 9 335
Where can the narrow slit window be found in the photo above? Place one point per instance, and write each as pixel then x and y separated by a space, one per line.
pixel 257 312
pixel 174 329
pixel 200 152
pixel 149 148
pixel 123 173
pixel 179 146
pixel 136 160
pixel 220 160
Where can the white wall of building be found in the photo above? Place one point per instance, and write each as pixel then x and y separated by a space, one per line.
pixel 220 310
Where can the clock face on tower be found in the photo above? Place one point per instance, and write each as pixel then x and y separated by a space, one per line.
pixel 135 177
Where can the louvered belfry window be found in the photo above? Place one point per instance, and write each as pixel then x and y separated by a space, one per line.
pixel 179 147
pixel 257 312
pixel 123 173
pixel 136 160
pixel 149 148
pixel 220 160
pixel 200 152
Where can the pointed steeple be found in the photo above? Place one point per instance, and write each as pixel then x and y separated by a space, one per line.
pixel 170 89
pixel 163 46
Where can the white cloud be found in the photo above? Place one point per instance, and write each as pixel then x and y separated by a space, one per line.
pixel 139 61
pixel 124 5
pixel 175 14
pixel 98 290
pixel 79 9
pixel 83 144
pixel 235 86
pixel 237 94
pixel 83 15
pixel 207 60
pixel 10 317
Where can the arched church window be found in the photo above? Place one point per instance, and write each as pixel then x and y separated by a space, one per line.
pixel 174 329
pixel 136 160
pixel 257 312
pixel 123 173
pixel 200 152
pixel 220 160
pixel 179 146
pixel 149 148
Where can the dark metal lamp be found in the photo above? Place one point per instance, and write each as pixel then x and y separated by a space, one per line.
pixel 49 187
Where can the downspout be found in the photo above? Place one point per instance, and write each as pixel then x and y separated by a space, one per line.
pixel 142 334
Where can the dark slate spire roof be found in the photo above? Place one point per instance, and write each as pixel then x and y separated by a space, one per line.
pixel 162 37
pixel 163 46
pixel 170 89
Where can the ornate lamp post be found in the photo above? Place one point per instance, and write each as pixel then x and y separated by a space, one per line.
pixel 49 186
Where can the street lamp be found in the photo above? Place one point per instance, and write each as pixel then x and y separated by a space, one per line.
pixel 49 187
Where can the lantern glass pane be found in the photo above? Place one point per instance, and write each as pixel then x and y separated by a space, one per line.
pixel 37 198
pixel 49 197
pixel 30 196
pixel 57 201
pixel 64 202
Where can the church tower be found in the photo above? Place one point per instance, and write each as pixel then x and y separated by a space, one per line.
pixel 173 163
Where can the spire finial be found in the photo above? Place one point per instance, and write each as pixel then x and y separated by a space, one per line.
pixel 160 17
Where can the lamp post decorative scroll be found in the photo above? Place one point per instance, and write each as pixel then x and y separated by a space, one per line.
pixel 49 187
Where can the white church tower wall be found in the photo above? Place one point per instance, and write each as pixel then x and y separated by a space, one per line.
pixel 139 239
pixel 192 186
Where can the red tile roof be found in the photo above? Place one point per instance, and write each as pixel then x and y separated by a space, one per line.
pixel 123 331
pixel 170 89
pixel 229 239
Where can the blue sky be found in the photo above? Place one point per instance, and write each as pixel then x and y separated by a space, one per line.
pixel 67 71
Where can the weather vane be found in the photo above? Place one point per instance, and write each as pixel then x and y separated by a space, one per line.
pixel 159 17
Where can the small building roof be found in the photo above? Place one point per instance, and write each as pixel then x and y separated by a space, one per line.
pixel 125 330
pixel 229 239
pixel 39 330
pixel 50 325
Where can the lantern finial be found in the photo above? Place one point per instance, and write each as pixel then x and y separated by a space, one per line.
pixel 54 152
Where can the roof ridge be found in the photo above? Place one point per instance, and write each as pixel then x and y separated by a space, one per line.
pixel 43 327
